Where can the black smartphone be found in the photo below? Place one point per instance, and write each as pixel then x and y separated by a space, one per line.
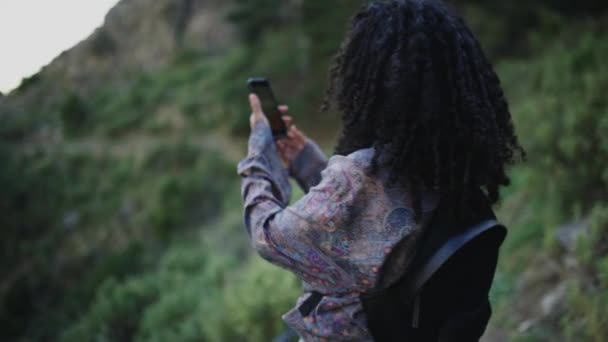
pixel 261 87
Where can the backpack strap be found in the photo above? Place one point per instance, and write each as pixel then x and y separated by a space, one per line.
pixel 310 303
pixel 409 289
pixel 390 309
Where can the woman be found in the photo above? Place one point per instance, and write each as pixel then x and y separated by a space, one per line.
pixel 424 121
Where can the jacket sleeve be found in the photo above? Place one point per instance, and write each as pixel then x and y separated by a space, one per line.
pixel 307 166
pixel 292 236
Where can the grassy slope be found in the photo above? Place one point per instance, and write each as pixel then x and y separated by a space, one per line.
pixel 128 226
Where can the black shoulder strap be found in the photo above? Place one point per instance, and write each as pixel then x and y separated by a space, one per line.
pixel 412 286
pixel 390 309
pixel 442 238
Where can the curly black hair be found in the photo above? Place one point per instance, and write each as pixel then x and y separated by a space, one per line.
pixel 411 79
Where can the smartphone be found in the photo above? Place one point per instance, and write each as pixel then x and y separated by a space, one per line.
pixel 261 87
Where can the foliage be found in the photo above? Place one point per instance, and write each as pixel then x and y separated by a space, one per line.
pixel 587 316
pixel 128 226
pixel 193 295
pixel 254 18
pixel 29 82
pixel 18 124
pixel 177 14
pixel 253 302
pixel 189 194
pixel 92 211
pixel 102 43
pixel 74 114
pixel 559 113
pixel 565 137
pixel 326 39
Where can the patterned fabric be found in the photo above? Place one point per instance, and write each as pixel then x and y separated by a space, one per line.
pixel 336 238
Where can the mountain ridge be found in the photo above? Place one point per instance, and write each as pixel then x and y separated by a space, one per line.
pixel 136 36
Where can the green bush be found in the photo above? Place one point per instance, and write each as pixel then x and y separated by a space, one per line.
pixel 256 18
pixel 190 189
pixel 29 82
pixel 125 114
pixel 115 313
pixel 254 300
pixel 18 125
pixel 586 317
pixel 564 126
pixel 102 43
pixel 559 112
pixel 180 157
pixel 196 293
pixel 74 115
pixel 175 187
pixel 179 202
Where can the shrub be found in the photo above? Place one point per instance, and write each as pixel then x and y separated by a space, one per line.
pixel 18 125
pixel 180 156
pixel 29 82
pixel 253 19
pixel 563 125
pixel 114 315
pixel 102 43
pixel 190 189
pixel 196 293
pixel 586 318
pixel 74 115
pixel 254 301
pixel 559 111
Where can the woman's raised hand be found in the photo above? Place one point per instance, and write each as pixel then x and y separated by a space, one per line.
pixel 290 146
pixel 256 111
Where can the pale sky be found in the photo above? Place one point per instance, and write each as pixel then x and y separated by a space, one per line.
pixel 33 32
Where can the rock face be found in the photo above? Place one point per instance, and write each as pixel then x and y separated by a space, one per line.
pixel 137 35
pixel 541 299
pixel 568 234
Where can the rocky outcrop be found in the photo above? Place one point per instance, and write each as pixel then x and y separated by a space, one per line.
pixel 540 302
pixel 137 35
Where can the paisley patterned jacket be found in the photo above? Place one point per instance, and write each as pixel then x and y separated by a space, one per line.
pixel 336 237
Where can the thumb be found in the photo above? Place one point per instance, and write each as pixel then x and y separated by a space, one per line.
pixel 256 106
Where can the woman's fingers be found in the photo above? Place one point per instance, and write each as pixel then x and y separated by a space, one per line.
pixel 288 148
pixel 285 145
pixel 256 109
pixel 286 156
pixel 288 120
pixel 256 105
pixel 290 151
pixel 296 135
pixel 293 133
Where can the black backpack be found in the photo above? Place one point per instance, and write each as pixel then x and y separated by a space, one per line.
pixel 443 296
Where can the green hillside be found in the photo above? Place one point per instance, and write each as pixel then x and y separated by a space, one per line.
pixel 121 210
